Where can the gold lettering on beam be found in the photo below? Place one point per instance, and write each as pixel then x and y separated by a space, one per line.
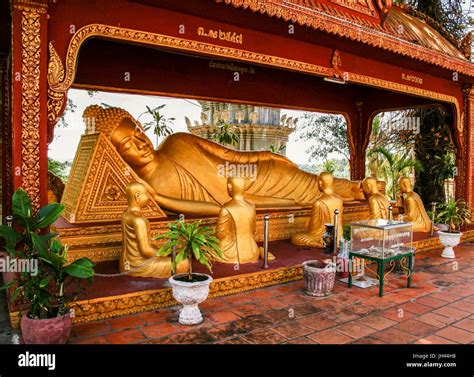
pixel 411 78
pixel 227 36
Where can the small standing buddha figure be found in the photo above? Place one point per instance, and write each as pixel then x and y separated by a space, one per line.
pixel 378 203
pixel 414 209
pixel 138 253
pixel 322 213
pixel 236 226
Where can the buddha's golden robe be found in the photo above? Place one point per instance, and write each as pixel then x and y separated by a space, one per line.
pixel 415 212
pixel 136 244
pixel 322 213
pixel 194 168
pixel 236 230
pixel 378 206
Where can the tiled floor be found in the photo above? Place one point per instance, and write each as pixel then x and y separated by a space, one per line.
pixel 438 309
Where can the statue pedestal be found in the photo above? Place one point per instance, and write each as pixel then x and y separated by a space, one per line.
pixel 104 242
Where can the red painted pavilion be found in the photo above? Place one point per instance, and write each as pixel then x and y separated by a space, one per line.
pixel 356 58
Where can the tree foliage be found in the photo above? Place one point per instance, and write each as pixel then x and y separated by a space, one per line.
pixel 448 13
pixel 329 133
pixel 225 134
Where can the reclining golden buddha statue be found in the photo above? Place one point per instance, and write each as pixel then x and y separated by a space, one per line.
pixel 188 174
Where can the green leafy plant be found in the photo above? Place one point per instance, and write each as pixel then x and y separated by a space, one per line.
pixel 453 213
pixel 329 166
pixel 346 232
pixel 188 240
pixel 160 124
pixel 224 134
pixel 396 166
pixel 44 292
pixel 276 148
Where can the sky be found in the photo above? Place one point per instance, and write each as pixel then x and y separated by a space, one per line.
pixel 66 140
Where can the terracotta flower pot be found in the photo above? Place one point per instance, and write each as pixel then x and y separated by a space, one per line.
pixel 319 277
pixel 190 295
pixel 46 331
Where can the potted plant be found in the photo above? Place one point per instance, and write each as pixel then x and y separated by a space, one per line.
pixel 454 214
pixel 186 240
pixel 42 291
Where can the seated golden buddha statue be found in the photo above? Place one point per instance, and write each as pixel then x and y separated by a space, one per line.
pixel 138 254
pixel 322 213
pixel 236 226
pixel 378 203
pixel 186 174
pixel 414 210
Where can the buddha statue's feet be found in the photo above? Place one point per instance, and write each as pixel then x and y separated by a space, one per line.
pixel 305 239
pixel 270 255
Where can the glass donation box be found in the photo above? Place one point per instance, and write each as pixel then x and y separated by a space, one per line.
pixel 383 242
pixel 381 238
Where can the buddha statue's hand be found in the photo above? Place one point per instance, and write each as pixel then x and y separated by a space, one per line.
pixel 399 199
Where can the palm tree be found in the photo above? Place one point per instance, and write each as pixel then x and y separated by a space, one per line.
pixel 224 134
pixel 396 166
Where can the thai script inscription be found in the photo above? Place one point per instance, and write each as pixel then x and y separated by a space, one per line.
pixel 411 78
pixel 227 36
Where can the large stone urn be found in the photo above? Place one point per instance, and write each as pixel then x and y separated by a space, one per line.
pixel 190 295
pixel 319 277
pixel 46 331
pixel 449 240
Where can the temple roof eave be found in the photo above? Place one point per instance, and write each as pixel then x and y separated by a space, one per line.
pixel 451 59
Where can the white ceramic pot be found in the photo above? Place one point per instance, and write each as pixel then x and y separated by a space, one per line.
pixel 190 295
pixel 449 240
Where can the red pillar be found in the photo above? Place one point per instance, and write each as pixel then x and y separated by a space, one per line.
pixel 358 133
pixel 29 107
pixel 465 161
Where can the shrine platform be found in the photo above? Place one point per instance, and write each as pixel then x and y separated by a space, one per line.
pixel 115 296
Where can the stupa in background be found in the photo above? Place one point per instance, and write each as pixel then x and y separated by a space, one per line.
pixel 258 127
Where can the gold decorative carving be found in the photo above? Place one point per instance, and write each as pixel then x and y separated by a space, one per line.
pixel 30 102
pixel 6 130
pixel 97 30
pixel 362 6
pixel 336 63
pixel 351 30
pixel 55 76
pixel 95 190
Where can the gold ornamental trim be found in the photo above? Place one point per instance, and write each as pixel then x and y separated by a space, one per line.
pixel 30 102
pixel 136 302
pixel 56 99
pixel 123 34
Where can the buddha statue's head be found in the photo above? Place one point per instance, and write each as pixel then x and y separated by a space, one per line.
pixel 125 133
pixel 236 186
pixel 404 184
pixel 137 195
pixel 369 185
pixel 326 182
